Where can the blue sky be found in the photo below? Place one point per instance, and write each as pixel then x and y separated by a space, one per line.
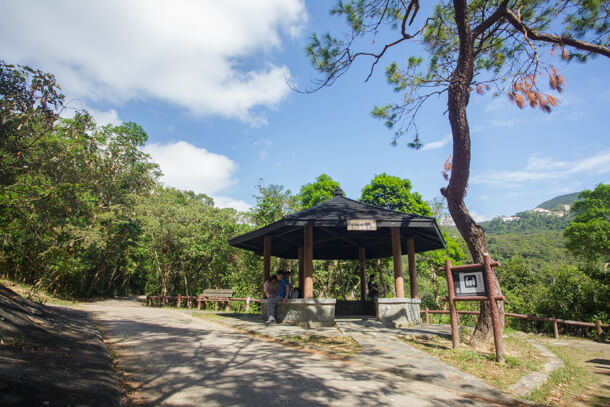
pixel 207 81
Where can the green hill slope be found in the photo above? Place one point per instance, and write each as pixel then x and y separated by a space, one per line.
pixel 553 204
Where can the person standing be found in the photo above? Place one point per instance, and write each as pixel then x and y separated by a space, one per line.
pixel 373 288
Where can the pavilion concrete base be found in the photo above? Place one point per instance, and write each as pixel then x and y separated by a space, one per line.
pixel 399 312
pixel 308 313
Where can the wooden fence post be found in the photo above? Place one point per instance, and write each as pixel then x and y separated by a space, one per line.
pixel 455 330
pixel 198 303
pixel 247 304
pixel 555 329
pixel 179 300
pixel 495 315
pixel 427 316
pixel 600 331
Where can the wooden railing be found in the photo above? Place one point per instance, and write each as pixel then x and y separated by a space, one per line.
pixel 190 299
pixel 555 321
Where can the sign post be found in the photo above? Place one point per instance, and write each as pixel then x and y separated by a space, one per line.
pixel 474 282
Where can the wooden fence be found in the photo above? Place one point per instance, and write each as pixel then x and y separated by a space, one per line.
pixel 597 325
pixel 190 299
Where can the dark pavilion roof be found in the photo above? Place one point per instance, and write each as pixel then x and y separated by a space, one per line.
pixel 332 240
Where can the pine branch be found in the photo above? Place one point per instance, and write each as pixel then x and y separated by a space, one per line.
pixel 555 39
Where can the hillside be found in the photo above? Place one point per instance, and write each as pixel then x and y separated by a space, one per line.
pixel 535 236
pixel 553 204
pixel 526 222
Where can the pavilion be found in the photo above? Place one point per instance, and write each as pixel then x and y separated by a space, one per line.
pixel 345 229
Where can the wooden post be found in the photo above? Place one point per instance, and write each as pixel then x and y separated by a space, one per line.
pixel 427 316
pixel 266 261
pixel 198 303
pixel 301 272
pixel 247 304
pixel 362 258
pixel 455 330
pixel 495 315
pixel 555 329
pixel 397 258
pixel 600 331
pixel 179 300
pixel 412 270
pixel 308 262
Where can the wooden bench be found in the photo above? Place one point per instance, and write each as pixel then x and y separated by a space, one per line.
pixel 217 295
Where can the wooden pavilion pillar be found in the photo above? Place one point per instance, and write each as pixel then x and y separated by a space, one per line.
pixel 396 254
pixel 301 271
pixel 412 270
pixel 362 258
pixel 266 260
pixel 308 262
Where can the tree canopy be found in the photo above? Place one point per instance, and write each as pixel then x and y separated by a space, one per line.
pixel 319 191
pixel 588 235
pixel 391 192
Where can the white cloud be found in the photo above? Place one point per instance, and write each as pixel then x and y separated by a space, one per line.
pixel 187 167
pixel 546 169
pixel 497 103
pixel 209 57
pixel 102 118
pixel 437 144
pixel 226 202
pixel 265 149
pixel 501 123
pixel 478 217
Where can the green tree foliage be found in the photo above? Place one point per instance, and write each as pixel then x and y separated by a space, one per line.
pixel 391 192
pixel 82 214
pixel 184 244
pixel 319 191
pixel 272 204
pixel 588 235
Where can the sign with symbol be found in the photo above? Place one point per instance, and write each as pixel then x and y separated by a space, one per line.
pixel 469 283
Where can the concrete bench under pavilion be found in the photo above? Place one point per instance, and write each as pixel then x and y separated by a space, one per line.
pixel 344 229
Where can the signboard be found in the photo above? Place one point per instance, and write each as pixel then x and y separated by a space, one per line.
pixel 469 283
pixel 361 224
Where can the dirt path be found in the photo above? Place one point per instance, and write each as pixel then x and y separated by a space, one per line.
pixel 170 358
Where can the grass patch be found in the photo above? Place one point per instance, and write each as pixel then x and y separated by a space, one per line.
pixel 521 358
pixel 572 385
pixel 205 315
pixel 341 345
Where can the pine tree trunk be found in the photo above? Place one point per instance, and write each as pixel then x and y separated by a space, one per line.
pixel 458 98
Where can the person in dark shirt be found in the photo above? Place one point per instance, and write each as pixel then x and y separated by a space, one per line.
pixel 373 288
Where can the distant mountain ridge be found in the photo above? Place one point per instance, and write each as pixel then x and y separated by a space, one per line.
pixel 551 215
pixel 559 201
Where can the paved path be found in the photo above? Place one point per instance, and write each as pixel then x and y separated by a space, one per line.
pixel 384 351
pixel 175 359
